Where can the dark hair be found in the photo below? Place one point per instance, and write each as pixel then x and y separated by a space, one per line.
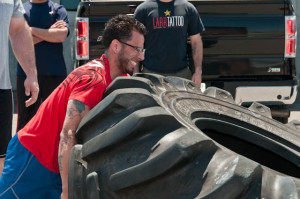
pixel 120 27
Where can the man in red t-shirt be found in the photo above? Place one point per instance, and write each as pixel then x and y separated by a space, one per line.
pixel 38 156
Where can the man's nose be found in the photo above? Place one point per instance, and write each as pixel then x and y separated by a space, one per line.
pixel 141 56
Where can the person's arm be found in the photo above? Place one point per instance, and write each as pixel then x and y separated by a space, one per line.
pixel 36 39
pixel 57 33
pixel 22 45
pixel 76 110
pixel 197 51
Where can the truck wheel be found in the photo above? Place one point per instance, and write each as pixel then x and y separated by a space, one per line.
pixel 156 137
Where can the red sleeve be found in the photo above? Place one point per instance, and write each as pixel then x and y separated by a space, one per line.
pixel 89 89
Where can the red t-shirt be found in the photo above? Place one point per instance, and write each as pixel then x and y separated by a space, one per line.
pixel 41 135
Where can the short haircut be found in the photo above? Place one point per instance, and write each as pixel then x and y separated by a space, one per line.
pixel 120 27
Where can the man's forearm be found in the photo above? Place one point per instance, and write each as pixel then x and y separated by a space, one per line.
pixel 36 40
pixel 76 110
pixel 197 50
pixel 55 35
pixel 22 45
pixel 66 143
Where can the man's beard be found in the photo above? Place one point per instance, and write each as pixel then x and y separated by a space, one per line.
pixel 123 63
pixel 130 72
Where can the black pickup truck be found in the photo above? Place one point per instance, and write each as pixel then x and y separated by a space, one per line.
pixel 249 45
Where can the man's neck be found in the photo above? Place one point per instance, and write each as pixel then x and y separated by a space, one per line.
pixel 113 65
pixel 38 1
pixel 166 1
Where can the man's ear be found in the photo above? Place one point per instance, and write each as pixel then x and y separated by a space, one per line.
pixel 116 46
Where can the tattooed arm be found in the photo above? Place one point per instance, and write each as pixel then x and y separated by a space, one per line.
pixel 76 110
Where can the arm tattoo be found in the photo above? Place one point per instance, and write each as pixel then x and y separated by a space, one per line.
pixel 63 141
pixel 79 105
pixel 67 136
pixel 75 112
pixel 72 113
pixel 66 139
pixel 59 162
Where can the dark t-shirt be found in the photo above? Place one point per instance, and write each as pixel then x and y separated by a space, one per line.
pixel 49 56
pixel 168 26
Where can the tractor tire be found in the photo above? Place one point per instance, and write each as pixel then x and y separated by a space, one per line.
pixel 160 137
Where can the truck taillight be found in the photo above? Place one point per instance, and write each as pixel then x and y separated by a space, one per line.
pixel 82 28
pixel 82 38
pixel 290 36
pixel 82 48
pixel 290 46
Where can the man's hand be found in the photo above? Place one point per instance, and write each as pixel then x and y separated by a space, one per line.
pixel 197 77
pixel 59 24
pixel 57 33
pixel 31 87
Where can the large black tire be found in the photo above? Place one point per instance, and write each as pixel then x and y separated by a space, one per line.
pixel 155 137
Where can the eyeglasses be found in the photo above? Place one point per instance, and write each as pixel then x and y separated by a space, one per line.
pixel 137 49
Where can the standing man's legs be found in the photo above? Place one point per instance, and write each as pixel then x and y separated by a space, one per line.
pixel 47 85
pixel 6 107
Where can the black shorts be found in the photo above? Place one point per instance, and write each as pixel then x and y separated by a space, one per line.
pixel 47 84
pixel 6 113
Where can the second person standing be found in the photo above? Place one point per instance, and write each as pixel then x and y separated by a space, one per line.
pixel 169 23
pixel 49 26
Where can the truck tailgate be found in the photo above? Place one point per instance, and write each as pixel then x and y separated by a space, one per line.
pixel 243 39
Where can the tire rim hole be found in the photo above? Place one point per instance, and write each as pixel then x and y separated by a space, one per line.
pixel 245 141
